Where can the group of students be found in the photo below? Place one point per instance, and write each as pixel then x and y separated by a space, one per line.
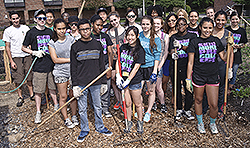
pixel 72 52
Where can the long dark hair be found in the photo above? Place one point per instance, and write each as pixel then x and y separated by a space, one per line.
pixel 152 33
pixel 234 13
pixel 138 46
pixel 127 22
pixel 203 20
pixel 166 27
pixel 110 14
pixel 57 21
pixel 221 12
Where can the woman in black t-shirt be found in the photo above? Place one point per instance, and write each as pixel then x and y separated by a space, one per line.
pixel 132 55
pixel 203 69
pixel 193 16
pixel 240 39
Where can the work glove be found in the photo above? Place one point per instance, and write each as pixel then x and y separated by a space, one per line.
pixel 39 53
pixel 77 92
pixel 230 40
pixel 125 83
pixel 153 78
pixel 175 56
pixel 235 50
pixel 230 73
pixel 189 85
pixel 177 44
pixel 104 88
pixel 119 80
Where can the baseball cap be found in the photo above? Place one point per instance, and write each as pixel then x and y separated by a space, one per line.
pixel 38 12
pixel 102 10
pixel 73 19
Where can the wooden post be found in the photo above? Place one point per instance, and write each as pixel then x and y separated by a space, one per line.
pixel 6 64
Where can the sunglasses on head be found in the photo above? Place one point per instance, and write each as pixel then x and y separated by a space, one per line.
pixel 42 18
pixel 73 24
pixel 131 16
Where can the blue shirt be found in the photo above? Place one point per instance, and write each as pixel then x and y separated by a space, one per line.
pixel 150 57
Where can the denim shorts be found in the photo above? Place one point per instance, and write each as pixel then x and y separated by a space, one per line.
pixel 135 86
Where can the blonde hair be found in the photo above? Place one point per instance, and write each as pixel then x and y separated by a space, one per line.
pixel 184 12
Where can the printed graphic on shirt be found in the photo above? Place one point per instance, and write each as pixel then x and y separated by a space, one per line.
pixel 237 38
pixel 104 45
pixel 126 62
pixel 114 48
pixel 88 55
pixel 196 32
pixel 207 52
pixel 42 43
pixel 182 53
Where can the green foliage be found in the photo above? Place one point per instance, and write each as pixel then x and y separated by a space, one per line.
pixel 124 4
pixel 95 3
pixel 245 59
pixel 245 2
pixel 188 8
pixel 242 92
pixel 200 4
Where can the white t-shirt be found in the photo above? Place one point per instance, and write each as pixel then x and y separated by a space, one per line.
pixel 137 26
pixel 16 36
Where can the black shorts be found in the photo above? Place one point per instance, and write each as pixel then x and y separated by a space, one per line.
pixel 201 81
pixel 147 72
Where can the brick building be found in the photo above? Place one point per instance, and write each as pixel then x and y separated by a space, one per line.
pixel 26 9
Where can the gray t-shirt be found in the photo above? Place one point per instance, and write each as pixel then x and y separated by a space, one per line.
pixel 62 50
pixel 224 42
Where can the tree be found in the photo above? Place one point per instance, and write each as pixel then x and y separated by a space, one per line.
pixel 124 4
pixel 95 4
pixel 243 2
pixel 200 4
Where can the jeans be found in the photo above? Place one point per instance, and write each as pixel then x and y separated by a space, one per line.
pixel 96 102
pixel 222 74
pixel 235 68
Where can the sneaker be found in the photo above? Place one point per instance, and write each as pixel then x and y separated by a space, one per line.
pixel 82 136
pixel 117 105
pixel 112 93
pixel 121 106
pixel 20 102
pixel 69 124
pixel 105 132
pixel 140 127
pixel 147 93
pixel 74 120
pixel 56 107
pixel 130 125
pixel 107 114
pixel 179 113
pixel 38 118
pixel 188 115
pixel 213 128
pixel 163 108
pixel 154 107
pixel 201 128
pixel 147 117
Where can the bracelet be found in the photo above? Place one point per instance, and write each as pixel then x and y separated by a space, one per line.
pixel 188 79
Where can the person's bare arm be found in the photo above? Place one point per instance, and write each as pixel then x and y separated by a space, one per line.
pixel 110 58
pixel 134 71
pixel 27 50
pixel 12 63
pixel 190 65
pixel 165 54
pixel 54 57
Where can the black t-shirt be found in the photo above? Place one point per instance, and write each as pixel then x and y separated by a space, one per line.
pixel 206 51
pixel 240 36
pixel 39 39
pixel 105 41
pixel 193 30
pixel 86 62
pixel 183 56
pixel 128 62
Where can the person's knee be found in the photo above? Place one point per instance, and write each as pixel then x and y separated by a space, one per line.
pixel 53 92
pixel 213 106
pixel 198 100
pixel 128 104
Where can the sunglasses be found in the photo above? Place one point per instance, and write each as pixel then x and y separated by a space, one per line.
pixel 84 29
pixel 42 18
pixel 15 18
pixel 73 24
pixel 171 20
pixel 131 16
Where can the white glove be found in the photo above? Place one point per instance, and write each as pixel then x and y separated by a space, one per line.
pixel 177 44
pixel 125 84
pixel 119 80
pixel 235 50
pixel 175 56
pixel 39 53
pixel 230 73
pixel 77 91
pixel 104 88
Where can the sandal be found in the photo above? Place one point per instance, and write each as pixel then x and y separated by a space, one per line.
pixel 220 115
pixel 20 102
pixel 32 97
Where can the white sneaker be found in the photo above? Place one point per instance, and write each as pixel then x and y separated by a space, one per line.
pixel 56 107
pixel 188 115
pixel 69 124
pixel 74 120
pixel 179 114
pixel 38 118
pixel 213 128
pixel 201 128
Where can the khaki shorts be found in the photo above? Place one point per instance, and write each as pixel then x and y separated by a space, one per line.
pixel 40 80
pixel 23 65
